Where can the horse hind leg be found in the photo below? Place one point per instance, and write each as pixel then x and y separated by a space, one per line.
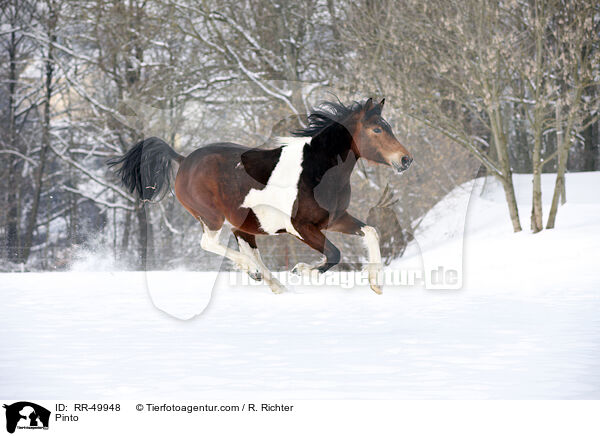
pixel 304 269
pixel 210 242
pixel 247 243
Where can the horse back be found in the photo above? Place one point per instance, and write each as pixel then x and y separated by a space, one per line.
pixel 218 176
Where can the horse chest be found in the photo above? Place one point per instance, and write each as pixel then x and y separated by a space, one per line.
pixel 273 205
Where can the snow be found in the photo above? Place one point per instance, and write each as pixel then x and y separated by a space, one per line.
pixel 525 324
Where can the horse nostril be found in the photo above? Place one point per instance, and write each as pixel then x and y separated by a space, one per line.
pixel 406 161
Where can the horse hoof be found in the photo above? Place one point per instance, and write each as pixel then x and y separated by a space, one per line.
pixel 376 289
pixel 375 277
pixel 301 269
pixel 255 275
pixel 277 288
pixel 275 285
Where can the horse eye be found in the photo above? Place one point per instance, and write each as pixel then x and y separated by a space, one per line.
pixel 377 130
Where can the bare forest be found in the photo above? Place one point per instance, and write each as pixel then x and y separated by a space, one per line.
pixel 472 89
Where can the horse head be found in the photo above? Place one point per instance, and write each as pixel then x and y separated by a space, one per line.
pixel 374 140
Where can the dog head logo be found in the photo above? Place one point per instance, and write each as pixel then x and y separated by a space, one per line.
pixel 26 415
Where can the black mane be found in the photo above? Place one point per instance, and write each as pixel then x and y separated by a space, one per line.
pixel 326 115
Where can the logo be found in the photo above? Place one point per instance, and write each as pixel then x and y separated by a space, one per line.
pixel 26 415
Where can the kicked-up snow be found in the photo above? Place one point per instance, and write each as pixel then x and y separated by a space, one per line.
pixel 525 324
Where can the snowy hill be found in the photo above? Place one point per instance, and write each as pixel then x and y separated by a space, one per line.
pixel 524 325
pixel 494 257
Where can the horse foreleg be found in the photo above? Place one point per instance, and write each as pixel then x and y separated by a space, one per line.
pixel 353 226
pixel 210 242
pixel 371 241
pixel 313 237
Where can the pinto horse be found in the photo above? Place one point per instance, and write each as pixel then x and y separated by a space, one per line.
pixel 301 186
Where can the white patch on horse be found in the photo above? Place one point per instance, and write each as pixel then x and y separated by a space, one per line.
pixel 273 204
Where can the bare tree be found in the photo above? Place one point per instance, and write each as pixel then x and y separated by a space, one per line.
pixel 20 120
pixel 446 63
pixel 577 36
pixel 47 17
pixel 555 60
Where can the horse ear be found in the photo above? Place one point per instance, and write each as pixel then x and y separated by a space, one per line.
pixel 381 103
pixel 369 105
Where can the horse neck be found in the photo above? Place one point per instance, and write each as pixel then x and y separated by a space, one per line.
pixel 333 148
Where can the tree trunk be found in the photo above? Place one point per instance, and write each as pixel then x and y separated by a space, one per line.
pixel 536 200
pixel 563 155
pixel 126 229
pixel 73 221
pixel 39 176
pixel 523 160
pixel 146 248
pixel 506 176
pixel 590 140
pixel 12 215
pixel 559 157
pixel 536 195
pixel 511 201
pixel 559 184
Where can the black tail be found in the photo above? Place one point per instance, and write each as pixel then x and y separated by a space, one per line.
pixel 146 168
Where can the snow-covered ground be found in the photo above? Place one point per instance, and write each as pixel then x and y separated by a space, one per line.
pixel 525 324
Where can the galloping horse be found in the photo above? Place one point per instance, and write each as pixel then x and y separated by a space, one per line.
pixel 301 187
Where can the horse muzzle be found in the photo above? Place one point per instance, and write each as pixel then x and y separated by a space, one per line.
pixel 403 165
